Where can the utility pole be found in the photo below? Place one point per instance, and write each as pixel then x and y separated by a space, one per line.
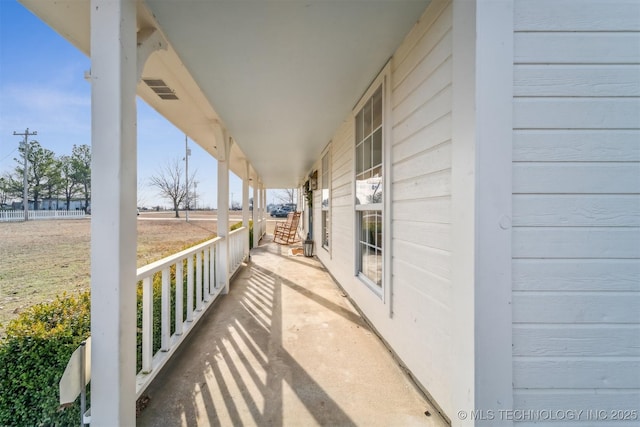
pixel 187 152
pixel 25 195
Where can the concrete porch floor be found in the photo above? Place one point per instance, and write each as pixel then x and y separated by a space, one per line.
pixel 284 348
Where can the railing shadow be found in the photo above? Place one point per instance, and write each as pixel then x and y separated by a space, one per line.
pixel 237 371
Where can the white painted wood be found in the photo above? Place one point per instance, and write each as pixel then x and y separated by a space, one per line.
pixel 146 274
pixel 190 290
pixel 436 184
pixel 431 160
pixel 493 186
pixel 463 118
pixel 207 288
pixel 575 307
pixel 577 15
pixel 434 210
pixel 579 373
pixel 599 145
pixel 577 80
pixel 441 25
pixel 431 64
pixel 589 399
pixel 576 210
pixel 417 33
pixel 424 234
pixel 222 254
pixel 435 108
pixel 576 113
pixel 576 274
pixel 179 298
pixel 147 323
pixel 620 340
pixel 576 48
pixel 580 178
pixel 576 242
pixel 165 307
pixel 431 135
pixel 113 223
pixel 198 266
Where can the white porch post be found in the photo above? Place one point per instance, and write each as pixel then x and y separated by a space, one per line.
pixel 245 203
pixel 113 222
pixel 263 212
pixel 223 210
pixel 481 208
pixel 255 215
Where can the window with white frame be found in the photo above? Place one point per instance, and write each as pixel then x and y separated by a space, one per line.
pixel 326 217
pixel 369 178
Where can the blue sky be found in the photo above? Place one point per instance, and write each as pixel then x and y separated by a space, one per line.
pixel 42 87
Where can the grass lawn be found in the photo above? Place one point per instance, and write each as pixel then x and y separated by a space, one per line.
pixel 42 259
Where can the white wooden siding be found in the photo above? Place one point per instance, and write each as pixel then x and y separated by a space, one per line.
pixel 421 199
pixel 576 206
pixel 420 123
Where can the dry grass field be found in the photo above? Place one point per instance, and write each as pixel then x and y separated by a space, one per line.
pixel 41 259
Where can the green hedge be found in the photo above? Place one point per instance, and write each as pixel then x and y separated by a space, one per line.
pixel 33 357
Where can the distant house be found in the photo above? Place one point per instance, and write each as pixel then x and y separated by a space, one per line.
pixel 477 164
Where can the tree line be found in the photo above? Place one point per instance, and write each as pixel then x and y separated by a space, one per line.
pixel 49 176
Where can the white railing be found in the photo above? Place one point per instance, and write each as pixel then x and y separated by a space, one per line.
pixel 187 283
pixel 189 280
pixel 11 216
pixel 238 248
pixel 199 271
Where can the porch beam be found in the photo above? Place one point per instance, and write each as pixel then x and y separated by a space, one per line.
pixel 113 223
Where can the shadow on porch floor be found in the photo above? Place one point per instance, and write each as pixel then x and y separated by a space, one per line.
pixel 284 348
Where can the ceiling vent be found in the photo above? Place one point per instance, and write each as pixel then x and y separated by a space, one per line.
pixel 160 88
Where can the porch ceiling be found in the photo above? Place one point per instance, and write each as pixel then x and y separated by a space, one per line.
pixel 279 75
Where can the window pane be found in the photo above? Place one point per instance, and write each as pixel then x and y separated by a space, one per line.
pixel 325 198
pixel 361 197
pixel 359 135
pixel 366 154
pixel 378 277
pixel 366 117
pixel 359 149
pixel 377 148
pixel 377 108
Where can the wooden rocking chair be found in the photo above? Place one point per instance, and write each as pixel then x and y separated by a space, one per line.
pixel 286 232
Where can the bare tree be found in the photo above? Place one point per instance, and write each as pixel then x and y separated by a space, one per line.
pixel 170 183
pixel 287 195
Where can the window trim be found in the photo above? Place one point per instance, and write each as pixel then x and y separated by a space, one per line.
pixel 383 291
pixel 327 153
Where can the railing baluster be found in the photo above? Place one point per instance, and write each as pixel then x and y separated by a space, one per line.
pixel 212 261
pixel 179 296
pixel 190 288
pixel 199 281
pixel 166 313
pixel 147 323
pixel 207 283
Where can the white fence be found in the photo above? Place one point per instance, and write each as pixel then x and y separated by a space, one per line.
pixel 188 283
pixel 14 216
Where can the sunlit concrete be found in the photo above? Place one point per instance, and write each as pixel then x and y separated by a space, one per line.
pixel 284 348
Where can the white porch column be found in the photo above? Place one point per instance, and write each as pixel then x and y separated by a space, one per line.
pixel 255 214
pixel 245 203
pixel 223 210
pixel 264 209
pixel 113 222
pixel 481 210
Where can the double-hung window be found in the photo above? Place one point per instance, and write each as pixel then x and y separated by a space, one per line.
pixel 369 185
